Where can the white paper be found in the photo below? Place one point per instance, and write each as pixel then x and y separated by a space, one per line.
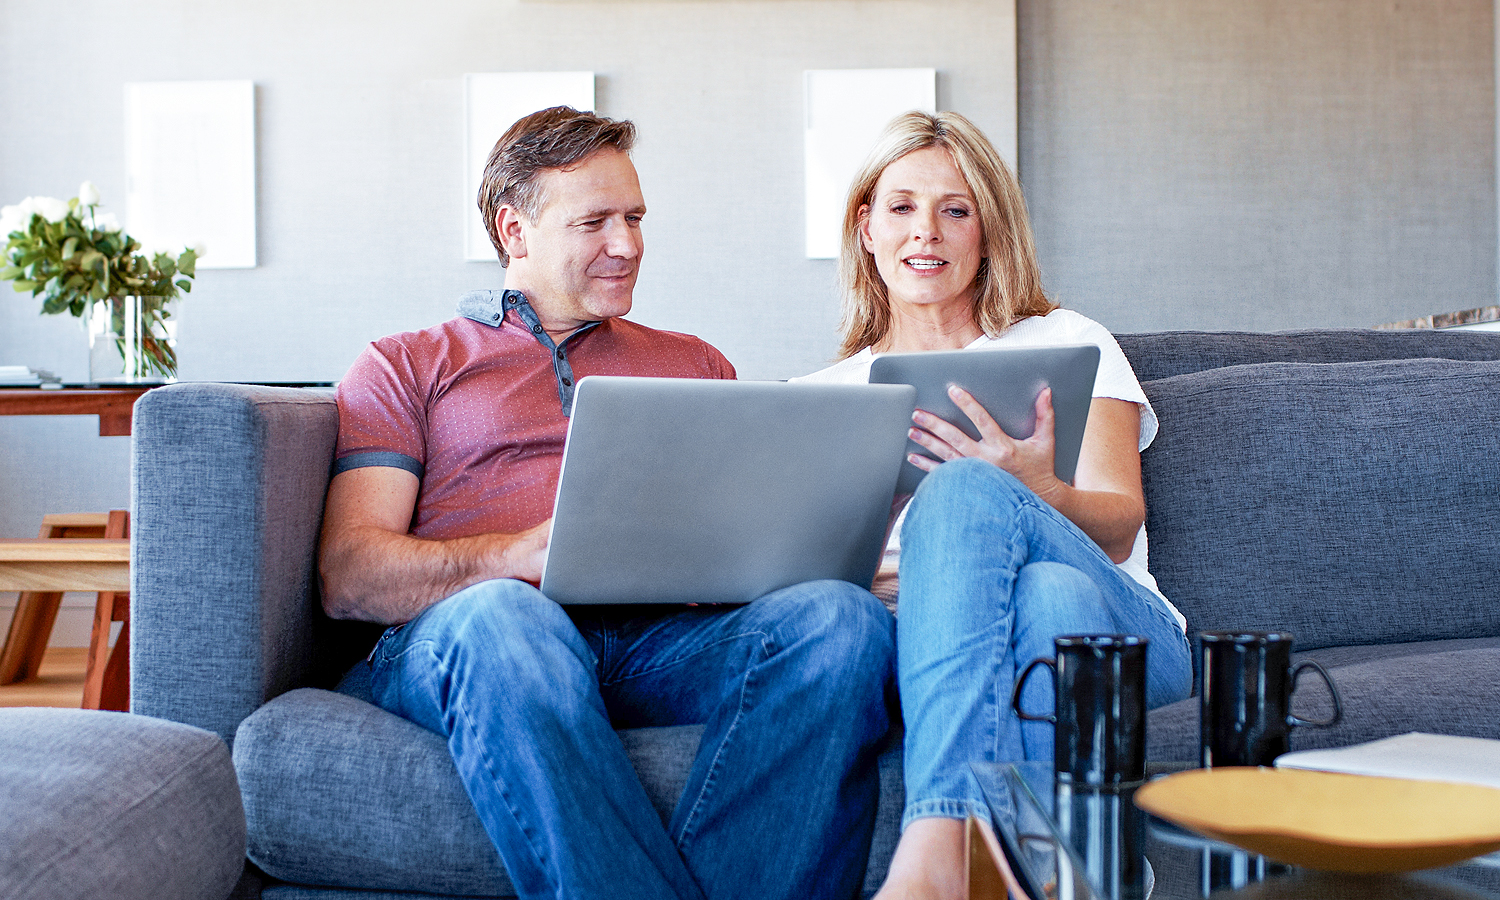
pixel 846 109
pixel 492 103
pixel 190 168
pixel 1424 757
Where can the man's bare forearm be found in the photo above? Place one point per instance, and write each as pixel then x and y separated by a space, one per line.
pixel 379 576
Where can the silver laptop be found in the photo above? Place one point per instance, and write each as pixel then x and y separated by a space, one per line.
pixel 709 491
pixel 1006 383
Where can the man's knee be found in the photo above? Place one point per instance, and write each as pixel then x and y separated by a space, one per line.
pixel 841 628
pixel 503 622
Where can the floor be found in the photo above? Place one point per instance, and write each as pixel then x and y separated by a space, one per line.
pixel 59 683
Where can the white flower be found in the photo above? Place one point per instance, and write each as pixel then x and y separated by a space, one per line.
pixel 12 219
pixel 200 249
pixel 106 222
pixel 50 208
pixel 88 195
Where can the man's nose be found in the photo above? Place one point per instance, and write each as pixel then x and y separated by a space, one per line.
pixel 622 241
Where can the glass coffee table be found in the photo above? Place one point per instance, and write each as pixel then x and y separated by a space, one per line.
pixel 1079 844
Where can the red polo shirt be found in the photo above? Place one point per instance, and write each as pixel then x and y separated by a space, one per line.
pixel 477 407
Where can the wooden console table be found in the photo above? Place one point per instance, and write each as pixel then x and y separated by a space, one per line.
pixel 113 405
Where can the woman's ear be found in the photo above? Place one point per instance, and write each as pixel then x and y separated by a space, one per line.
pixel 864 227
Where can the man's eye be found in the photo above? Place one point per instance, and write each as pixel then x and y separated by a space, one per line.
pixel 634 220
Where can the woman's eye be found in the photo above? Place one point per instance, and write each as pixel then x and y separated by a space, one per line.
pixel 958 212
pixel 900 207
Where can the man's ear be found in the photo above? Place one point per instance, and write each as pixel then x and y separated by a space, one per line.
pixel 511 226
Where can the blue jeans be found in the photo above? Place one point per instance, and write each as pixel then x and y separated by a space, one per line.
pixel 781 797
pixel 990 575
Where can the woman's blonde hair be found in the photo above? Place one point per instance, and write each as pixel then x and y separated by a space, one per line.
pixel 1008 286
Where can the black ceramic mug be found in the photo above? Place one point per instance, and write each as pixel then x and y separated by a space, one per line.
pixel 1246 679
pixel 1099 722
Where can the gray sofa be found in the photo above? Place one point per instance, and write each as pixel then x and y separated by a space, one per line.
pixel 1339 484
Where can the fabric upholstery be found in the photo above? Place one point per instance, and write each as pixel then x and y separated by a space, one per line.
pixel 227 498
pixel 1344 502
pixel 1163 354
pixel 312 760
pixel 104 804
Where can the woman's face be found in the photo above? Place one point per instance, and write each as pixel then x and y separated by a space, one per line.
pixel 922 227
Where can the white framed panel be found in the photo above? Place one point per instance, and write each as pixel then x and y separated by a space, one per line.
pixel 845 112
pixel 190 168
pixel 492 103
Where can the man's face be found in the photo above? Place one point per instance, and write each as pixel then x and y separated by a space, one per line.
pixel 579 260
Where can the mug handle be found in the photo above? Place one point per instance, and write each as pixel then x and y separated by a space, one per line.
pixel 1015 694
pixel 1338 708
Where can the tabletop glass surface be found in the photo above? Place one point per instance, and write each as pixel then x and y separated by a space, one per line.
pixel 1077 844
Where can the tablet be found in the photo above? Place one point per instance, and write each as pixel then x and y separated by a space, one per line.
pixel 1006 383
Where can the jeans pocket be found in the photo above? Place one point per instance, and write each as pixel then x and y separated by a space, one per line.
pixel 377 653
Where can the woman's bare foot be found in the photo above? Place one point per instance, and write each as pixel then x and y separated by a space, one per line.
pixel 928 864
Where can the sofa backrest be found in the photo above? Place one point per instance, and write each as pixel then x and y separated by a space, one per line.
pixel 1351 503
pixel 1167 353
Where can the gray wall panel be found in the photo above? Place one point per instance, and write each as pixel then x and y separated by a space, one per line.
pixel 1260 165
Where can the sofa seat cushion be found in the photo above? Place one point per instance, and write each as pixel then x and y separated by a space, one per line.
pixel 1349 503
pixel 104 804
pixel 341 793
pixel 1439 687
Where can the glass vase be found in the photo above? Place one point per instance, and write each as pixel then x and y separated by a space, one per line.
pixel 132 340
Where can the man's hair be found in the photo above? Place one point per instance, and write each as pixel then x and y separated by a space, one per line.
pixel 1008 286
pixel 556 138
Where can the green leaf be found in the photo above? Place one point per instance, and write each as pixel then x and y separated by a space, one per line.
pixel 10 273
pixel 69 248
pixel 23 285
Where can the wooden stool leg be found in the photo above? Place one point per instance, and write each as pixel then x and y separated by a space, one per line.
pixel 106 680
pixel 30 628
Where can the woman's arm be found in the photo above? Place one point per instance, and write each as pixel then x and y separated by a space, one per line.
pixel 1106 499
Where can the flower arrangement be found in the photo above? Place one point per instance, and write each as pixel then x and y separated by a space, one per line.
pixel 79 261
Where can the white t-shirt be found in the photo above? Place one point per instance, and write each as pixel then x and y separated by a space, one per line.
pixel 1115 380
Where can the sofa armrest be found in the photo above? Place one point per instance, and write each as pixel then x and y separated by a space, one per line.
pixel 227 488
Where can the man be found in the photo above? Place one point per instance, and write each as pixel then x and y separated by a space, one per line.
pixel 449 447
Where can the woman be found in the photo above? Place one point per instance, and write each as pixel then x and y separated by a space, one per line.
pixel 997 556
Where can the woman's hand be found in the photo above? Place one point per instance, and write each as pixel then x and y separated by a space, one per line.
pixel 1105 498
pixel 1030 460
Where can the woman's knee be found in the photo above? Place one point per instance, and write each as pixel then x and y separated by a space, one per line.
pixel 1055 598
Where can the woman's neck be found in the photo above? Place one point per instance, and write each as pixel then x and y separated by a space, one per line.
pixel 925 331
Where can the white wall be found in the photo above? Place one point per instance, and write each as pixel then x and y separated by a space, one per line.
pixel 360 145
pixel 1254 164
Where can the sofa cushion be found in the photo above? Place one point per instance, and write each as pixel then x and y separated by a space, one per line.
pixel 1350 503
pixel 324 775
pixel 104 804
pixel 1163 354
pixel 1385 691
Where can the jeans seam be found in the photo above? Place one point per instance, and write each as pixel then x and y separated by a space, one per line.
pixel 677 660
pixel 711 777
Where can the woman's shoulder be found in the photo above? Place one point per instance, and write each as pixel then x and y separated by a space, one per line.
pixel 1060 326
pixel 850 370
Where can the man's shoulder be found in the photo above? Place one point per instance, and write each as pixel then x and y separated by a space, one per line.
pixel 660 345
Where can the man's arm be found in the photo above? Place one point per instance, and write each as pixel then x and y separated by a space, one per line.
pixel 373 569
